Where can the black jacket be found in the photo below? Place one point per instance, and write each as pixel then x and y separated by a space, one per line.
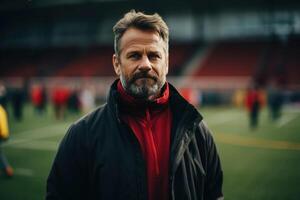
pixel 100 158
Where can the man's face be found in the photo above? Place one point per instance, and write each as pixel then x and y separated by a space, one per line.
pixel 142 63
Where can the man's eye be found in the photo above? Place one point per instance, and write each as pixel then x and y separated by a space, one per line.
pixel 154 57
pixel 134 56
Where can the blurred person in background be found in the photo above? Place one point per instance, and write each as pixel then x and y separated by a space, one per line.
pixel 74 102
pixel 254 102
pixel 17 98
pixel 60 98
pixel 39 98
pixel 146 142
pixel 275 101
pixel 4 134
pixel 87 99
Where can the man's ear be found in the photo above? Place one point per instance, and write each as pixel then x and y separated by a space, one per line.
pixel 116 63
pixel 167 64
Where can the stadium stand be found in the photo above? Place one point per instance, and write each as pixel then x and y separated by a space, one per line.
pixel 17 63
pixel 77 62
pixel 231 58
pixel 261 58
pixel 28 63
pixel 179 54
pixel 95 61
pixel 293 61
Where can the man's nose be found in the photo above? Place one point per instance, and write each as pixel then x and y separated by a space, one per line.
pixel 145 64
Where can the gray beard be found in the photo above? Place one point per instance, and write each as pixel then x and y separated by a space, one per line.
pixel 143 91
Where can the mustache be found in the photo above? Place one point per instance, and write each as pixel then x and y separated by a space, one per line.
pixel 143 75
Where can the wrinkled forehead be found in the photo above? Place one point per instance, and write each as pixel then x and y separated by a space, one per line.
pixel 135 38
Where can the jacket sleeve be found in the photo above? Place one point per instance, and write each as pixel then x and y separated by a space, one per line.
pixel 68 175
pixel 214 173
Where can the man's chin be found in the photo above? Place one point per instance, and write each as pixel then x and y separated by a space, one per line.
pixel 143 91
pixel 144 82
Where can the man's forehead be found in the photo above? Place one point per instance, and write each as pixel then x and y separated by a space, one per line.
pixel 143 47
pixel 134 38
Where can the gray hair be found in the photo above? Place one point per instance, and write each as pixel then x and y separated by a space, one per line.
pixel 140 21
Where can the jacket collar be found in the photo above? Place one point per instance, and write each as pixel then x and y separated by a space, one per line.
pixel 182 111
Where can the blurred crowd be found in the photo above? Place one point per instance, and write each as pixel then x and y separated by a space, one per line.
pixel 61 99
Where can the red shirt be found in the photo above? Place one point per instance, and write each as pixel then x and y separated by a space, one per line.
pixel 151 124
pixel 252 97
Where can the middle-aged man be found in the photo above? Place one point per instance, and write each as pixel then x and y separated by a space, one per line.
pixel 146 142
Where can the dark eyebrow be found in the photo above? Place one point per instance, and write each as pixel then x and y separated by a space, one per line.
pixel 155 52
pixel 132 52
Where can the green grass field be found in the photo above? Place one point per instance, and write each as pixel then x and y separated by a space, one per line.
pixel 261 164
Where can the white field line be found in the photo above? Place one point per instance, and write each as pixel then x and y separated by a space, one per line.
pixel 29 139
pixel 256 142
pixel 222 118
pixel 292 109
pixel 38 145
pixel 286 119
pixel 38 131
pixel 24 172
pixel 35 134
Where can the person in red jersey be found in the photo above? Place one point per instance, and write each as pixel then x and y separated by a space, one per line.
pixel 254 102
pixel 146 142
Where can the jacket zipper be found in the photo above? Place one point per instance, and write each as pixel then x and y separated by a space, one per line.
pixel 153 145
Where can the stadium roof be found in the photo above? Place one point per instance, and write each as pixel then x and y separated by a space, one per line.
pixel 107 6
